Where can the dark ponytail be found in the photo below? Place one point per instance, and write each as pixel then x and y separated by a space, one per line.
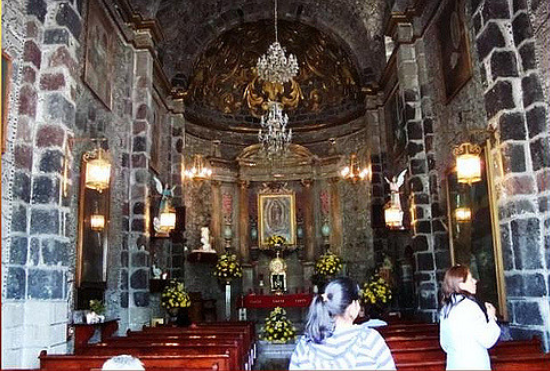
pixel 338 295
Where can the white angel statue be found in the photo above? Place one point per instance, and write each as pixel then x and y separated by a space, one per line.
pixel 205 239
pixel 395 184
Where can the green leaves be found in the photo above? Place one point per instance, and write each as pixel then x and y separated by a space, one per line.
pixel 175 296
pixel 328 264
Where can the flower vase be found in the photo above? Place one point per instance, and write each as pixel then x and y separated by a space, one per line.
pixel 173 315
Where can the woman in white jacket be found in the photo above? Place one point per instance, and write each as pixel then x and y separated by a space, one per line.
pixel 467 328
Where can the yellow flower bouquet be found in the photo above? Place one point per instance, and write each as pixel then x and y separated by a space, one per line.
pixel 277 328
pixel 376 291
pixel 228 267
pixel 328 264
pixel 174 296
pixel 275 241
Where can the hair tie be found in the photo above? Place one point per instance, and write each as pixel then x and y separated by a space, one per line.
pixel 325 297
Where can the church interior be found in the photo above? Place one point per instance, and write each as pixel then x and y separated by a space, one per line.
pixel 167 163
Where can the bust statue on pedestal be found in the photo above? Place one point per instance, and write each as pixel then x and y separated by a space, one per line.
pixel 205 240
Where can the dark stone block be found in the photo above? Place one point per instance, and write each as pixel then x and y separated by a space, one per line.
pixel 23 157
pixel 419 212
pixel 139 161
pixel 179 145
pixel 503 64
pixel 540 153
pixel 415 183
pixel 534 6
pixel 141 299
pixel 139 259
pixel 34 257
pixel 423 226
pixel 476 22
pixel 66 16
pixel 525 240
pixel 139 279
pixel 18 250
pixel 434 184
pixel 44 221
pixel 21 186
pixel 533 285
pixel 528 56
pixel 138 225
pixel 124 279
pixel 420 243
pixel 52 81
pixel 512 126
pixel 51 161
pixel 520 185
pixel 410 112
pixel 543 180
pixel 495 9
pixel 421 199
pixel 125 160
pixel 60 109
pixel 518 5
pixel 513 208
pixel 436 210
pixel 414 130
pixel 474 5
pixel 507 246
pixel 19 219
pixel 45 190
pixel 55 252
pixel 500 97
pixel 15 283
pixel 513 158
pixel 442 259
pixel 528 313
pixel 490 38
pixel 45 284
pixel 521 28
pixel 441 241
pixel 532 90
pixel 27 101
pixel 139 208
pixel 418 167
pixel 124 259
pixel 437 226
pixel 50 136
pixel 536 120
pixel 428 126
pixel 124 299
pixel 141 113
pixel 37 8
pixel 431 162
pixel 56 36
pixel 32 53
pixel 140 144
pixel 544 204
pixel 414 148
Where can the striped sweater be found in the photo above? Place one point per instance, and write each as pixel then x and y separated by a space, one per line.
pixel 355 348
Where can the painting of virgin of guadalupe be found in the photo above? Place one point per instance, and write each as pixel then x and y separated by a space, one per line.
pixel 277 217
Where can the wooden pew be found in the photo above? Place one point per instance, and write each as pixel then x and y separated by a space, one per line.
pixel 516 362
pixel 202 362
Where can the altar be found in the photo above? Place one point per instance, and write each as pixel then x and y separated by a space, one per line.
pixel 272 301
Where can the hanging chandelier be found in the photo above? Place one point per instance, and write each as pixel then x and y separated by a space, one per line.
pixel 275 66
pixel 353 172
pixel 199 171
pixel 273 136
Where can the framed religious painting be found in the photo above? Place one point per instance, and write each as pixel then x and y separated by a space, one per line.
pixel 456 65
pixel 396 133
pixel 277 217
pixel 99 64
pixel 474 232
pixel 6 80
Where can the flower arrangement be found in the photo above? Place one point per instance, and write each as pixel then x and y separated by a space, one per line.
pixel 376 291
pixel 328 264
pixel 277 328
pixel 275 240
pixel 175 296
pixel 97 306
pixel 228 267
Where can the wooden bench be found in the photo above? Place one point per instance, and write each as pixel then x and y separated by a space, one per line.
pixel 202 362
pixel 540 362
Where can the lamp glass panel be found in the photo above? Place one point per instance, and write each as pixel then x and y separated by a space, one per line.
pixel 468 168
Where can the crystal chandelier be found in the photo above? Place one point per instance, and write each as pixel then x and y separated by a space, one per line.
pixel 275 66
pixel 273 135
pixel 353 172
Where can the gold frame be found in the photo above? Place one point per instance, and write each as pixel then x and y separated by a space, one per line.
pixel 6 90
pixel 285 198
pixel 495 229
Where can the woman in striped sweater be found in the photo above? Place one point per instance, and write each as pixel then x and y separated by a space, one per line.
pixel 332 341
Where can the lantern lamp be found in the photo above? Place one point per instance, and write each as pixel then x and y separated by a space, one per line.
pixel 98 170
pixel 463 214
pixel 167 219
pixel 468 163
pixel 393 216
pixel 97 222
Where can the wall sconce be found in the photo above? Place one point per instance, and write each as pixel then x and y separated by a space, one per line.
pixel 167 219
pixel 199 171
pixel 468 163
pixel 98 169
pixel 393 216
pixel 353 172
pixel 325 231
pixel 227 235
pixel 97 222
pixel 463 214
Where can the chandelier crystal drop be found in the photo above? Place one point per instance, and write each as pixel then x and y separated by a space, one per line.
pixel 273 136
pixel 275 66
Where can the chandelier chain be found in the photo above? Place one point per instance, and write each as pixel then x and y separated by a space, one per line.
pixel 276 32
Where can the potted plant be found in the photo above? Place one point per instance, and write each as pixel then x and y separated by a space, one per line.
pixel 227 268
pixel 376 296
pixel 277 328
pixel 175 300
pixel 326 267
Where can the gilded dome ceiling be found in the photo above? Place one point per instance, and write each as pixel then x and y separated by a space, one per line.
pixel 225 92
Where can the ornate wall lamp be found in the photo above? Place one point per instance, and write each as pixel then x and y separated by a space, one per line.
pixel 97 222
pixel 468 162
pixel 166 220
pixel 199 171
pixel 353 171
pixel 393 216
pixel 98 168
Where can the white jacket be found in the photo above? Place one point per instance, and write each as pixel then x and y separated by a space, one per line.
pixel 465 335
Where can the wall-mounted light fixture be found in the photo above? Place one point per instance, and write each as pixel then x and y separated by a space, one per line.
pixel 468 163
pixel 97 222
pixel 98 168
pixel 353 171
pixel 463 214
pixel 199 171
pixel 393 216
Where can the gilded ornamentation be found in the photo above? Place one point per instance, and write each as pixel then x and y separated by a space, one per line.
pixel 225 79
